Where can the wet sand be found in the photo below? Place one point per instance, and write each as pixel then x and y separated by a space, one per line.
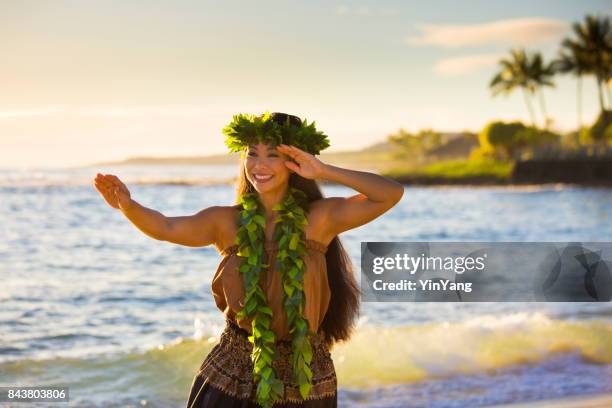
pixel 586 401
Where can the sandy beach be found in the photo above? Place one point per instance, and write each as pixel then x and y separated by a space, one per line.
pixel 594 401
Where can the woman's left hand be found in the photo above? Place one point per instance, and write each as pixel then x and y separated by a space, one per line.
pixel 307 165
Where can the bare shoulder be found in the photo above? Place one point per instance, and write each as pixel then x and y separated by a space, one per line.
pixel 226 211
pixel 322 207
pixel 319 220
pixel 324 204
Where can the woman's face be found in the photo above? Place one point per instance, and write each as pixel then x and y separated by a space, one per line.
pixel 265 167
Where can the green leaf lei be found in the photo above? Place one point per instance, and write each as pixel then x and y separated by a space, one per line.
pixel 289 233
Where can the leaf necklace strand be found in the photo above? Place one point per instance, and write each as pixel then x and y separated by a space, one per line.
pixel 289 233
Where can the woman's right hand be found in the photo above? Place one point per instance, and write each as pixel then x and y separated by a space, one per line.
pixel 115 193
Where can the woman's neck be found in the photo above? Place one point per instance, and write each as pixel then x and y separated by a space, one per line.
pixel 270 199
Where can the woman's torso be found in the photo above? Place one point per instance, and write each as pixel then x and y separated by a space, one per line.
pixel 228 287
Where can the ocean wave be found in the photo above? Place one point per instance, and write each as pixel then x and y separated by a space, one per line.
pixel 407 354
pixel 398 363
pixel 480 344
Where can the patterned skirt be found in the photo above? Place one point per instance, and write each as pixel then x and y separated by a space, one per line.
pixel 225 377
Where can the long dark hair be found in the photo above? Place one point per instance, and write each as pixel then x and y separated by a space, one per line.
pixel 339 320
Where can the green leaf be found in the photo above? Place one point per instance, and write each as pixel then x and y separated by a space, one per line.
pixel 268 336
pixel 282 241
pixel 298 342
pixel 266 358
pixel 265 319
pixel 278 387
pixel 308 353
pixel 261 363
pixel 251 305
pixel 266 309
pixel 301 377
pixel 268 349
pixel 259 219
pixel 308 372
pixel 260 294
pixel 266 372
pixel 263 389
pixel 300 324
pixel 300 364
pixel 305 390
pixel 288 289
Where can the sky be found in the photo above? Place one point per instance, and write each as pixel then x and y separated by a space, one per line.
pixel 89 81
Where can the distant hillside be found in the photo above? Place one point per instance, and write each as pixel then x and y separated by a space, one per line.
pixel 379 157
pixel 383 146
pixel 229 158
pixel 232 158
pixel 458 145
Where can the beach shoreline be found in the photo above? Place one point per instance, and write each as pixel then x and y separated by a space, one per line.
pixel 581 401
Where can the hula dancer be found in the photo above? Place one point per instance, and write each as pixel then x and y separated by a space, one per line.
pixel 285 283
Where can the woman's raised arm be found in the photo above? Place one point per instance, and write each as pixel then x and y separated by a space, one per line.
pixel 195 230
pixel 377 194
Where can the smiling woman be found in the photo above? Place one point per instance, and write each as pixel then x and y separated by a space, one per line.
pixel 264 163
pixel 285 283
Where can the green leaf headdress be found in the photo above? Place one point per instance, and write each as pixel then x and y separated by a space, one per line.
pixel 275 128
pixel 248 129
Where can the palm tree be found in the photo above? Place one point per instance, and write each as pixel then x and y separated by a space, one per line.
pixel 542 74
pixel 609 88
pixel 575 63
pixel 521 70
pixel 593 47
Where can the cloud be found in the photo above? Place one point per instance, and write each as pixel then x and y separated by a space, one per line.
pixel 466 64
pixel 514 32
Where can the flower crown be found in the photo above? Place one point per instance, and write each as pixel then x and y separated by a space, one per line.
pixel 248 129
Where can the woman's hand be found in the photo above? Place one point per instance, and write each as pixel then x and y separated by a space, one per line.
pixel 115 193
pixel 308 166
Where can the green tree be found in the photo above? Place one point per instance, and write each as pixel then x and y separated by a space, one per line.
pixel 592 47
pixel 500 137
pixel 573 61
pixel 542 74
pixel 508 141
pixel 526 71
pixel 415 144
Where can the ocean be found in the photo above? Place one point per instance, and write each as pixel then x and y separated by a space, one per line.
pixel 89 301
